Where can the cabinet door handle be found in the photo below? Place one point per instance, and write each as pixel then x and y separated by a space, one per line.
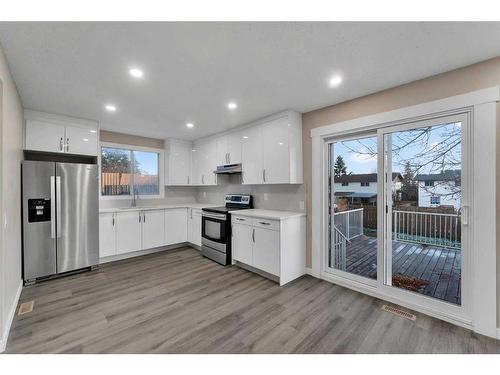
pixel 143 217
pixel 239 219
pixel 188 180
pixel 264 175
pixel 229 157
pixel 253 235
pixel 113 219
pixel 264 223
pixel 139 217
pixel 61 144
pixel 67 144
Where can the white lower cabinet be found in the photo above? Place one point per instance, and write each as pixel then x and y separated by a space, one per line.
pixel 107 234
pixel 266 250
pixel 153 229
pixel 277 247
pixel 176 226
pixel 194 226
pixel 242 243
pixel 128 231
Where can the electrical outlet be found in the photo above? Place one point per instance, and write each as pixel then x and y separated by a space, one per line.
pixel 302 205
pixel 266 196
pixel 204 194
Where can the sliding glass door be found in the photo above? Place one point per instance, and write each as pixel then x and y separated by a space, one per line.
pixel 425 196
pixel 397 210
pixel 353 195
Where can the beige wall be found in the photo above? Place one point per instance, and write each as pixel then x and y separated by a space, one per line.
pixel 127 139
pixel 11 156
pixel 460 81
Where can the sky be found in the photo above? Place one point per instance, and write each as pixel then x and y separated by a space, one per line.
pixel 360 154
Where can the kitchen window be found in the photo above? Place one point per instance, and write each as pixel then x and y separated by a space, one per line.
pixel 125 169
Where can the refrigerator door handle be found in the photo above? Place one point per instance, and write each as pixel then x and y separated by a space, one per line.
pixel 58 205
pixel 52 207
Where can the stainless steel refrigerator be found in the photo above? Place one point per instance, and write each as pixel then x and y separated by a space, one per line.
pixel 60 218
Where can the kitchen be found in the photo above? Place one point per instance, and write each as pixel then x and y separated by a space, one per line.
pixel 193 209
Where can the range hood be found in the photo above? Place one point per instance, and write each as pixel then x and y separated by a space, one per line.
pixel 228 169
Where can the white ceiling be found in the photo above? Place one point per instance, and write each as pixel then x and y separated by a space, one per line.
pixel 192 70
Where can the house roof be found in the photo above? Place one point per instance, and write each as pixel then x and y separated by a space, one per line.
pixel 352 194
pixel 363 177
pixel 448 175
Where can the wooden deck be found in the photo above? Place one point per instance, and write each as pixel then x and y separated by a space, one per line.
pixel 440 267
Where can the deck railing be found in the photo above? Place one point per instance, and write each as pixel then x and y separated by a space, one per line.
pixel 427 228
pixel 349 223
pixel 339 248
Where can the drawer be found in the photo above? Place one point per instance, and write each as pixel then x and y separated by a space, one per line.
pixel 242 220
pixel 266 223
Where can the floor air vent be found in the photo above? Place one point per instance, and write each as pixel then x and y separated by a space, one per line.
pixel 399 312
pixel 26 307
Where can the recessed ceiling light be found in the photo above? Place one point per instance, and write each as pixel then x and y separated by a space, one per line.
pixel 335 80
pixel 136 72
pixel 232 105
pixel 85 139
pixel 110 108
pixel 189 125
pixel 245 137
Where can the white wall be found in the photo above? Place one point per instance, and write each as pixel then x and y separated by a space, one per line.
pixel 441 189
pixel 356 187
pixel 10 219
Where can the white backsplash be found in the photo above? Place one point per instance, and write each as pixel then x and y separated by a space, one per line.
pixel 272 197
pixel 173 195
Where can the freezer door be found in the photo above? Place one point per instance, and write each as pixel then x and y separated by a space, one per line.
pixel 39 225
pixel 77 216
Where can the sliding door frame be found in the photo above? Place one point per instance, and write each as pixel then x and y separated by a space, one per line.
pixel 480 106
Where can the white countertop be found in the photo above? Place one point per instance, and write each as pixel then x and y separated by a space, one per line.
pixel 158 207
pixel 268 214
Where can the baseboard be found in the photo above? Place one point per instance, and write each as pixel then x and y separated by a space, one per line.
pixel 309 271
pixel 498 333
pixel 134 254
pixel 10 318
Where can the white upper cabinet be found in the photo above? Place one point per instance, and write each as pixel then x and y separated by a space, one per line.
pixel 44 136
pixel 276 152
pixel 81 141
pixel 178 162
pixel 229 148
pixel 222 154
pixel 54 133
pixel 272 151
pixel 234 147
pixel 269 150
pixel 251 156
pixel 207 160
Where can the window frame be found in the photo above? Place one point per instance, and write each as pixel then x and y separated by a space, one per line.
pixel 161 175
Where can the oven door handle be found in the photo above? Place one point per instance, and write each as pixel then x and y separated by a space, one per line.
pixel 214 216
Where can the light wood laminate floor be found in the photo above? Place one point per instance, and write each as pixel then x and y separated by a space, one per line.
pixel 178 302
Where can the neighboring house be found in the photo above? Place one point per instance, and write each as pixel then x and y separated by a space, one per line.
pixel 440 189
pixel 362 188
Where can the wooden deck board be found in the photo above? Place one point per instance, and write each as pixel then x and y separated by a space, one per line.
pixel 441 267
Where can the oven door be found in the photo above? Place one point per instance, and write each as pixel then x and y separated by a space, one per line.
pixel 213 230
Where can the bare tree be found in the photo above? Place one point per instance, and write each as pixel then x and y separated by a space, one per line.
pixel 427 150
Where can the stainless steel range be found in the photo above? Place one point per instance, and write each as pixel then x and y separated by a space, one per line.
pixel 216 228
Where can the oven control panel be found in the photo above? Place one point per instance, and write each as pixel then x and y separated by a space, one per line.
pixel 243 200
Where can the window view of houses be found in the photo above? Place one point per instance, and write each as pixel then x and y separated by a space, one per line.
pixel 425 166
